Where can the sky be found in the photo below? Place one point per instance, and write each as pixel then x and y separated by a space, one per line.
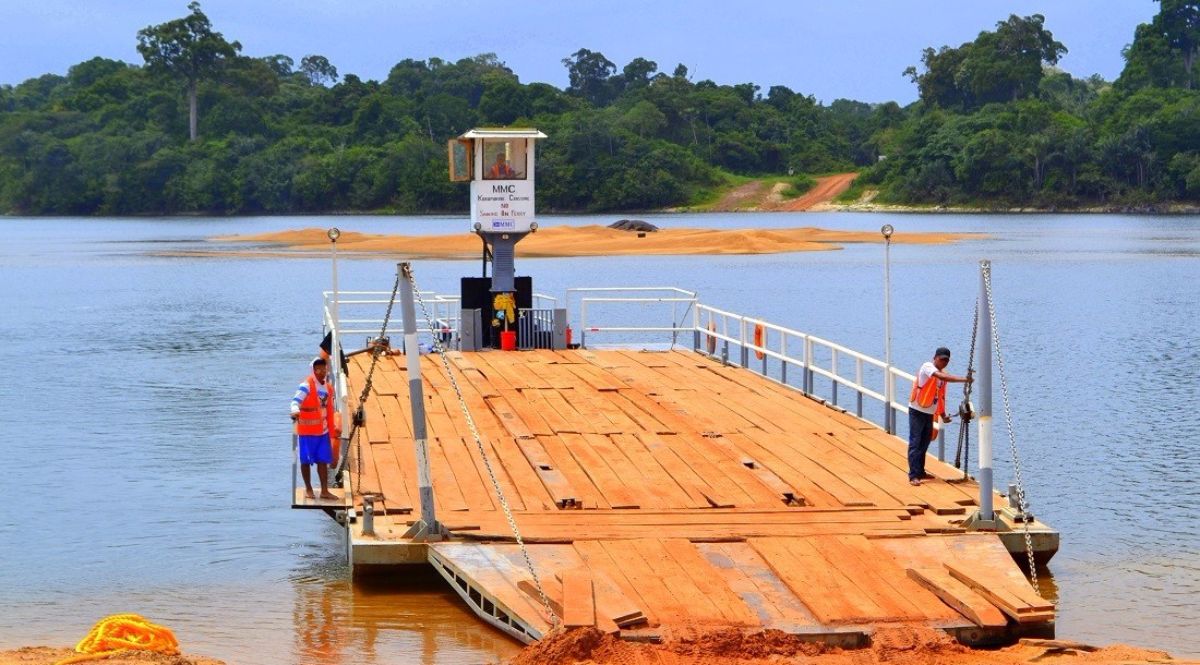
pixel 853 49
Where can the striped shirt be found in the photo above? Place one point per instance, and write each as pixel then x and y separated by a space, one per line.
pixel 322 395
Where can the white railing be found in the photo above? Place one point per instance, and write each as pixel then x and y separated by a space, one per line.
pixel 820 368
pixel 773 349
pixel 815 366
pixel 682 304
pixel 369 307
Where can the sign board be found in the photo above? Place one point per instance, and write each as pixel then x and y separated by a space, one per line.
pixel 502 206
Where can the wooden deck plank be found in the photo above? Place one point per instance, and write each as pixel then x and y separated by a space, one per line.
pixel 579 603
pixel 598 560
pixel 691 600
pixel 472 480
pixel 749 576
pixel 711 587
pixel 809 577
pixel 647 580
pixel 587 495
pixel 654 477
pixel 959 596
pixel 446 489
pixel 626 471
pixel 681 473
pixel 616 494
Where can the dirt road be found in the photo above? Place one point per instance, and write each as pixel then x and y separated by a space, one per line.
pixel 824 191
pixel 762 195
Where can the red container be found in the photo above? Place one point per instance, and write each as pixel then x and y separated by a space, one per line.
pixel 508 340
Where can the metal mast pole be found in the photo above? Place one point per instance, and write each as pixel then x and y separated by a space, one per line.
pixel 984 388
pixel 889 415
pixel 335 356
pixel 428 528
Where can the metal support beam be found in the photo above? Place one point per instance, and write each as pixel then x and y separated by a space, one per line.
pixel 985 518
pixel 428 528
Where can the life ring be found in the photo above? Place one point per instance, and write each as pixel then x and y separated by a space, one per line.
pixel 712 338
pixel 760 340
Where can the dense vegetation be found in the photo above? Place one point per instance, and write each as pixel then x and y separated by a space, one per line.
pixel 997 125
pixel 200 127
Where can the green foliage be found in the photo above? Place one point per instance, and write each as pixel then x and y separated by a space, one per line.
pixel 797 185
pixel 186 49
pixel 110 138
pixel 1066 141
pixel 996 126
pixel 1000 66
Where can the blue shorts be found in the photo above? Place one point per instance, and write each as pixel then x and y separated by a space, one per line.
pixel 315 449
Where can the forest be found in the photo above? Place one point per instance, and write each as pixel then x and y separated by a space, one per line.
pixel 200 128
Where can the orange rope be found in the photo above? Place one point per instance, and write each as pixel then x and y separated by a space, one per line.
pixel 122 632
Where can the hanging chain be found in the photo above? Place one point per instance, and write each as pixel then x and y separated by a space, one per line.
pixel 462 402
pixel 376 351
pixel 1022 503
pixel 962 456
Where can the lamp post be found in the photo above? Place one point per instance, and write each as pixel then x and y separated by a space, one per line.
pixel 889 414
pixel 335 356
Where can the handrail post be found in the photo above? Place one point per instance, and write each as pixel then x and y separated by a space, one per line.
pixel 858 380
pixel 833 368
pixel 745 354
pixel 889 414
pixel 783 364
pixel 428 528
pixel 808 365
pixel 984 388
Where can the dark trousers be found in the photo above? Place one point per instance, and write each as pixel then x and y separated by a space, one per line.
pixel 920 432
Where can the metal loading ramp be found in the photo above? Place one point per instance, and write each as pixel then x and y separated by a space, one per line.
pixel 829 588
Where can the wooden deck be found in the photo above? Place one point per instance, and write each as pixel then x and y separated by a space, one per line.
pixel 665 492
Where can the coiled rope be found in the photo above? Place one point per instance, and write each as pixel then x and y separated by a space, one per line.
pixel 123 632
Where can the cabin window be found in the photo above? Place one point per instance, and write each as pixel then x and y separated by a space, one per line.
pixel 504 159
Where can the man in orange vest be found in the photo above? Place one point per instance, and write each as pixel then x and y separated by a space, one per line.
pixel 927 401
pixel 501 168
pixel 312 412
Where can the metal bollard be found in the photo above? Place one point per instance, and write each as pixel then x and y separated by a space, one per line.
pixel 368 515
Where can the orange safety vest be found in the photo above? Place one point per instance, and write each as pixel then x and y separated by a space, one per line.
pixel 933 392
pixel 311 421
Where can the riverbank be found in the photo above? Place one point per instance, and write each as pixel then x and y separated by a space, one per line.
pixel 51 655
pixel 898 646
pixel 559 241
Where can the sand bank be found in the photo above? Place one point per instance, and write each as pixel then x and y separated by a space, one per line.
pixel 581 241
pixel 49 655
pixel 901 646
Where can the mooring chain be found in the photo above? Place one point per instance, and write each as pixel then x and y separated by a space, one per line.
pixel 462 403
pixel 1022 503
pixel 376 351
pixel 962 456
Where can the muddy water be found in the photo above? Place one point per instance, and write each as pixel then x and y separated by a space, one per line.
pixel 149 456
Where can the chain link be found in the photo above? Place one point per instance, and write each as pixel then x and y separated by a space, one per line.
pixel 962 456
pixel 1022 503
pixel 462 403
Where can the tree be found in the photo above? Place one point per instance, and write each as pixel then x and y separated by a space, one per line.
pixel 637 73
pixel 590 74
pixel 281 64
pixel 1180 24
pixel 1000 66
pixel 318 69
pixel 187 49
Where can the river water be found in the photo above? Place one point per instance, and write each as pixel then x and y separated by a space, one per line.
pixel 150 464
